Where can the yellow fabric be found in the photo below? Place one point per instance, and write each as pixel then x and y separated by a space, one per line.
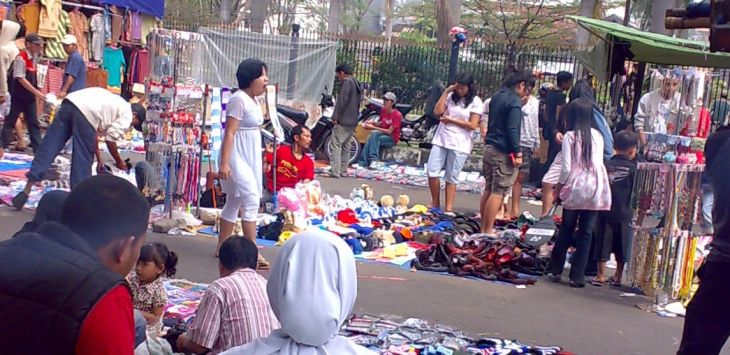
pixel 29 15
pixel 49 18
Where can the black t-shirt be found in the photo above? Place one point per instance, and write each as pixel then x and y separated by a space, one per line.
pixel 621 173
pixel 719 171
pixel 553 99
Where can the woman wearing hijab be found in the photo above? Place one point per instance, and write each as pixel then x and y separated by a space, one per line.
pixel 49 210
pixel 312 290
pixel 241 170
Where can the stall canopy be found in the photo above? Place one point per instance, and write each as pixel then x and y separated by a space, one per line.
pixel 649 47
pixel 150 7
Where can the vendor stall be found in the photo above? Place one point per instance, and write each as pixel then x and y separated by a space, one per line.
pixel 673 121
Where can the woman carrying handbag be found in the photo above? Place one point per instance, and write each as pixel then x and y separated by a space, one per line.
pixel 583 188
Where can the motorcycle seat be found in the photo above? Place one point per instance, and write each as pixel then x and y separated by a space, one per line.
pixel 297 115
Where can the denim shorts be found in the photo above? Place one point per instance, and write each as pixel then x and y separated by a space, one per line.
pixel 445 159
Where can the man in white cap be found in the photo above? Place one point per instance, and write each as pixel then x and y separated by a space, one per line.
pixel 385 134
pixel 74 77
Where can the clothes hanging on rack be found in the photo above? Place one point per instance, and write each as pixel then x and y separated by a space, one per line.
pixel 29 14
pixel 49 18
pixel 139 66
pixel 80 29
pixel 116 23
pixel 135 19
pixel 53 46
pixel 97 37
pixel 114 64
pixel 97 77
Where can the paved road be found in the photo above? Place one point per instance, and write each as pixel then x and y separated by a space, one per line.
pixel 586 321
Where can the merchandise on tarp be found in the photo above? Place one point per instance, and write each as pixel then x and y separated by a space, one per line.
pixel 150 7
pixel 302 68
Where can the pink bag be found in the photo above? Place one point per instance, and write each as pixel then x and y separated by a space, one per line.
pixel 586 188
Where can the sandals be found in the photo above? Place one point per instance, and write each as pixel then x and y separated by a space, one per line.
pixel 598 283
pixel 613 282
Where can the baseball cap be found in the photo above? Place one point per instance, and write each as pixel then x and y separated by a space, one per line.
pixel 69 39
pixel 390 96
pixel 33 38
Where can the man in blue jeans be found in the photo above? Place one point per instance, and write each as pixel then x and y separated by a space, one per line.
pixel 83 116
pixel 385 134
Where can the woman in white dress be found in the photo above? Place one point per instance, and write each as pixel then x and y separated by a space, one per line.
pixel 241 156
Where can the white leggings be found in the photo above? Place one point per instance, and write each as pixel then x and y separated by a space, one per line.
pixel 249 203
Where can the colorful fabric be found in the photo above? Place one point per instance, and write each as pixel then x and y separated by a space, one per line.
pixel 114 64
pixel 29 14
pixel 53 46
pixel 234 311
pixel 80 29
pixel 50 15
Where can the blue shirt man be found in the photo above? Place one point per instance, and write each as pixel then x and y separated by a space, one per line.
pixel 74 78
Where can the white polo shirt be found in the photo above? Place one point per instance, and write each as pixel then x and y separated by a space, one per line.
pixel 108 113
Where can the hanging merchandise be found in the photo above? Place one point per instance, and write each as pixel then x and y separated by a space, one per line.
pixel 29 14
pixel 53 47
pixel 80 30
pixel 50 15
pixel 664 249
pixel 114 64
pixel 97 36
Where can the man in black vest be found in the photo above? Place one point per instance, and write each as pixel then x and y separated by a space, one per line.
pixel 23 86
pixel 62 288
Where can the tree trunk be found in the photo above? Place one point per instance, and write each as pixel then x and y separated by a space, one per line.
pixel 336 10
pixel 448 15
pixel 258 15
pixel 587 9
pixel 658 12
pixel 389 12
pixel 225 9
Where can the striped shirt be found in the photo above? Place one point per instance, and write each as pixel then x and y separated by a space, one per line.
pixel 234 311
pixel 530 130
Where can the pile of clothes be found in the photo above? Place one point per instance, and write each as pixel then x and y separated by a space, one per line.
pixel 417 337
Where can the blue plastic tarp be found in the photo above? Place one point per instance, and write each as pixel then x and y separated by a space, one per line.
pixel 150 7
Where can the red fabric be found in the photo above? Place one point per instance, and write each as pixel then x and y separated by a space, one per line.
pixel 109 327
pixel 289 169
pixel 347 216
pixel 394 119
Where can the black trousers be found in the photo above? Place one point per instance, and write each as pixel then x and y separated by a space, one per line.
pixel 586 222
pixel 707 323
pixel 30 111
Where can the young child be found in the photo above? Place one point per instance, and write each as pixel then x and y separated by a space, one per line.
pixel 147 290
pixel 614 226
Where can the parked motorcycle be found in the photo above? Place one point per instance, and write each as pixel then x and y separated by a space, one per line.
pixel 321 129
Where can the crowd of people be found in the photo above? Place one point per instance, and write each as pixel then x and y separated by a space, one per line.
pixel 81 275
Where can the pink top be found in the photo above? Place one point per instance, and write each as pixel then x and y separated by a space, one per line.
pixel 234 311
pixel 585 187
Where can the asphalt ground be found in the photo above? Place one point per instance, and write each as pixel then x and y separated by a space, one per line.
pixel 591 320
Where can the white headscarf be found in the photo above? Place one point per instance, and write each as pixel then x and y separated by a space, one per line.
pixel 312 289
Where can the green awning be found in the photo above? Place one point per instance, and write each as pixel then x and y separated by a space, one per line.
pixel 655 48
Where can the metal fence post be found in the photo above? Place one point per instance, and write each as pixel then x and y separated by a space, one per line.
pixel 293 54
pixel 453 61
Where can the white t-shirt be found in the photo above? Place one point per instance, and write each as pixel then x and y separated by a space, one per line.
pixel 107 112
pixel 530 129
pixel 451 136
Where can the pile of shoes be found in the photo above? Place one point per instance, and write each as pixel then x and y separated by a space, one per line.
pixel 462 252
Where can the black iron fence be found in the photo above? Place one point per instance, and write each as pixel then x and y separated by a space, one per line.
pixel 410 70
